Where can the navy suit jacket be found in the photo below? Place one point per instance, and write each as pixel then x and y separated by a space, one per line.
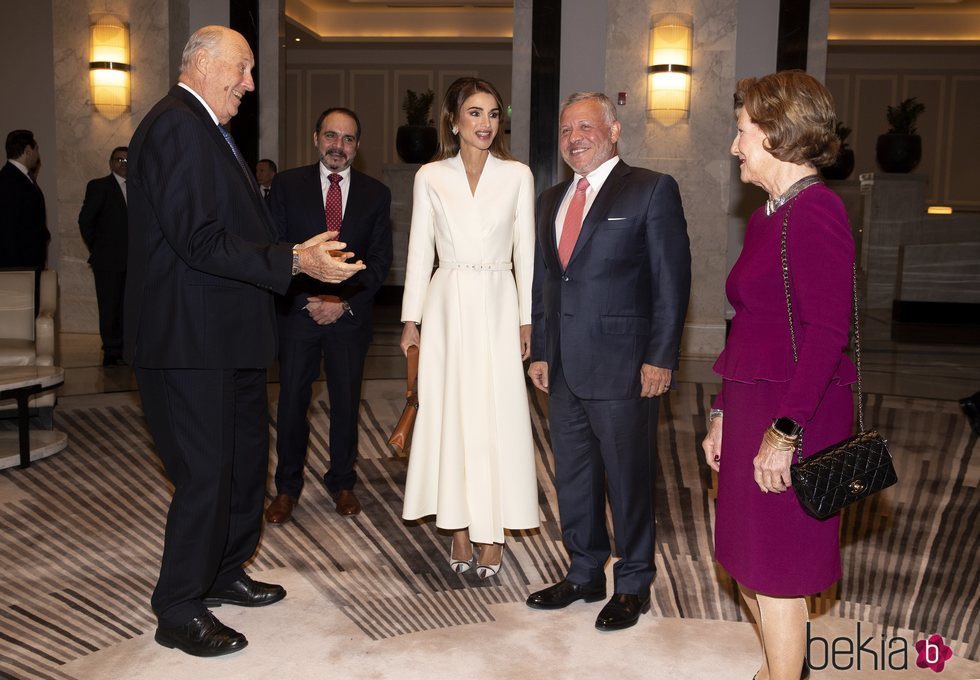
pixel 296 202
pixel 24 233
pixel 104 224
pixel 203 251
pixel 621 301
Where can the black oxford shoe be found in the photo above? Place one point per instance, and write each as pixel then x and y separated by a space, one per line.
pixel 622 611
pixel 564 593
pixel 202 636
pixel 245 593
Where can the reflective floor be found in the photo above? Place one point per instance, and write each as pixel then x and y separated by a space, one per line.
pixel 936 370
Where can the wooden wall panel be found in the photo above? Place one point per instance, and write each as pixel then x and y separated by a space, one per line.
pixel 962 185
pixel 871 93
pixel 369 96
pixel 866 79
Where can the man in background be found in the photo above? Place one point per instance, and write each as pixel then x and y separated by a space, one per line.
pixel 265 172
pixel 324 321
pixel 104 224
pixel 24 232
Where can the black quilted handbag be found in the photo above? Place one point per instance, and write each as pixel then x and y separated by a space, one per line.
pixel 842 474
pixel 852 469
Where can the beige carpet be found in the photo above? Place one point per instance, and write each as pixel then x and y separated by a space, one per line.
pixel 372 596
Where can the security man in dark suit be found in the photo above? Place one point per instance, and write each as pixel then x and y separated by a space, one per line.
pixel 24 232
pixel 200 332
pixel 612 275
pixel 329 321
pixel 105 229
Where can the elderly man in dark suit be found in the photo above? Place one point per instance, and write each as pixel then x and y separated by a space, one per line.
pixel 24 232
pixel 200 331
pixel 332 322
pixel 610 292
pixel 105 229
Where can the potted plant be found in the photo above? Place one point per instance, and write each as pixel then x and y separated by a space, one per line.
pixel 417 141
pixel 844 163
pixel 900 149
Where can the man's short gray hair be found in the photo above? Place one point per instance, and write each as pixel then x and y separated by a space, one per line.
pixel 207 38
pixel 608 110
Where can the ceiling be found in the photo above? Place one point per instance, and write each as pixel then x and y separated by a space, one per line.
pixel 461 21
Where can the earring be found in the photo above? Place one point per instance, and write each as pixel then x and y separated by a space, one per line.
pixel 455 130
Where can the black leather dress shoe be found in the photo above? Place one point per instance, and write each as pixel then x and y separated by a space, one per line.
pixel 622 611
pixel 564 593
pixel 202 636
pixel 245 593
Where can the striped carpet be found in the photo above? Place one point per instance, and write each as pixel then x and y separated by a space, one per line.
pixel 80 535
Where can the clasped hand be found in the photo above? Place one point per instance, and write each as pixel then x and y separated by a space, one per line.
pixel 324 309
pixel 771 468
pixel 325 259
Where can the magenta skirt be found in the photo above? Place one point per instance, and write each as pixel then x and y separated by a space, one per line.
pixel 767 542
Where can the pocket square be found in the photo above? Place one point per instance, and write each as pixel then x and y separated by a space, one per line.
pixel 615 219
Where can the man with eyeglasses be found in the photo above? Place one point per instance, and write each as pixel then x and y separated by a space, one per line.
pixel 103 222
pixel 331 322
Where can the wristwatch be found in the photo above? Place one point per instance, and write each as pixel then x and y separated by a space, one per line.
pixel 295 261
pixel 787 426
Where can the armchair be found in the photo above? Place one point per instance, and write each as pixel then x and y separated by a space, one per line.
pixel 26 340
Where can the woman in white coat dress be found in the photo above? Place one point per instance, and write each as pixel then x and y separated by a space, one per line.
pixel 472 460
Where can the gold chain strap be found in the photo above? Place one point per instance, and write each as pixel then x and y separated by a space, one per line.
pixel 784 260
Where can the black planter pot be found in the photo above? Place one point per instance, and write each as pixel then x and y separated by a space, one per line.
pixel 898 153
pixel 842 167
pixel 416 143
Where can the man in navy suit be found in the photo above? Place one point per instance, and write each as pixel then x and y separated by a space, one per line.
pixel 105 229
pixel 322 320
pixel 200 332
pixel 24 233
pixel 612 276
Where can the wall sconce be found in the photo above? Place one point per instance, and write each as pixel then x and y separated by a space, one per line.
pixel 109 65
pixel 669 79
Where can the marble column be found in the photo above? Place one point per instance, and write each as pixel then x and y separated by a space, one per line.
pixel 694 151
pixel 85 137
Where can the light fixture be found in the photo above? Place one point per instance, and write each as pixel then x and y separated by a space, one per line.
pixel 939 210
pixel 109 65
pixel 669 73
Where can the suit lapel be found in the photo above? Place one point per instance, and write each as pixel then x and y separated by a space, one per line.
pixel 225 151
pixel 355 206
pixel 600 208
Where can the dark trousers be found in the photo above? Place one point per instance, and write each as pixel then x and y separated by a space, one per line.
pixel 211 430
pixel 299 366
pixel 599 443
pixel 110 287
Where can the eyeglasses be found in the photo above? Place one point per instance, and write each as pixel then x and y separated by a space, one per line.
pixel 124 161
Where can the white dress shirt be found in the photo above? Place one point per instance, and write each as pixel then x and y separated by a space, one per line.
pixel 344 185
pixel 596 179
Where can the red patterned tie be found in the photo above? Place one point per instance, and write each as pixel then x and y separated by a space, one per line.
pixel 332 207
pixel 573 222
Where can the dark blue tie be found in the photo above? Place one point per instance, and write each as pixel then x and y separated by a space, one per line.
pixel 238 155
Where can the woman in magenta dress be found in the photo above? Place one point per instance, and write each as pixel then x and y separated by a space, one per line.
pixel 776 552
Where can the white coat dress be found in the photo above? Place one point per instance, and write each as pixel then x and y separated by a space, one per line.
pixel 472 456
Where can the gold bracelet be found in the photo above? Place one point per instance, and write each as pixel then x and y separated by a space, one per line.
pixel 779 441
